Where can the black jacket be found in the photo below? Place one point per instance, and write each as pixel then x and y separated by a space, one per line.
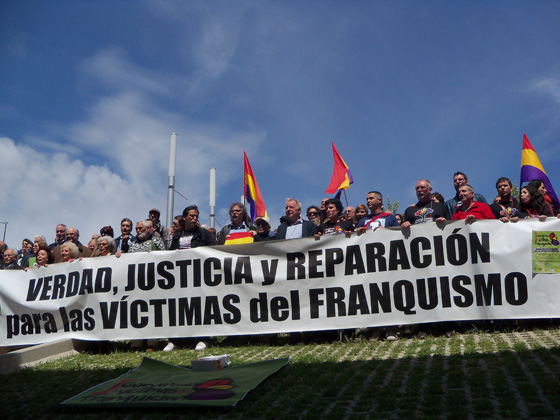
pixel 201 237
pixel 308 229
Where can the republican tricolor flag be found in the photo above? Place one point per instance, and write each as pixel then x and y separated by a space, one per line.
pixel 252 193
pixel 341 177
pixel 531 168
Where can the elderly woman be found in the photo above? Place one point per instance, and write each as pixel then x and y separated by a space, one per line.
pixel 106 246
pixel 32 257
pixel 43 255
pixel 69 251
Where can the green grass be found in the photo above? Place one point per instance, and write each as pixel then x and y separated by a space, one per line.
pixel 482 375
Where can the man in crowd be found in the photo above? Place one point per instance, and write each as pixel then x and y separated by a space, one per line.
pixel 60 236
pixel 507 207
pixel 157 228
pixel 459 179
pixel 377 218
pixel 349 214
pixel 122 243
pixel 192 236
pixel 240 222
pixel 293 225
pixel 263 230
pixel 145 240
pixel 468 208
pixel 10 260
pixel 425 210
pixel 72 235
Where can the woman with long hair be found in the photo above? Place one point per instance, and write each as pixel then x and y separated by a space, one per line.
pixel 533 205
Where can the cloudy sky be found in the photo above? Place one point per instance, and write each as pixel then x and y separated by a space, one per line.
pixel 91 90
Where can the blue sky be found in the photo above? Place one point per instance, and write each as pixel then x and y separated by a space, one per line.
pixel 90 92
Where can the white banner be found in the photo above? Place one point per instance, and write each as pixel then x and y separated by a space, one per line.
pixel 427 273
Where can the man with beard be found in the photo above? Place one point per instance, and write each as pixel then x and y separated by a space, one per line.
pixel 240 222
pixel 145 240
pixel 425 210
pixel 60 237
pixel 507 208
pixel 157 228
pixel 72 235
pixel 122 243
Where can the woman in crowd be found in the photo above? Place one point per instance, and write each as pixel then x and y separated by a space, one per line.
pixel 178 225
pixel 333 224
pixel 69 251
pixel 32 256
pixel 314 214
pixel 539 185
pixel 532 204
pixel 360 212
pixel 106 246
pixel 43 255
pixel 438 198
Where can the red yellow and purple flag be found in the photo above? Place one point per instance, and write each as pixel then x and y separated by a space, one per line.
pixel 252 193
pixel 341 177
pixel 531 168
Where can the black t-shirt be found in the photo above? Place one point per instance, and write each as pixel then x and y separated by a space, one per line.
pixel 510 208
pixel 425 212
pixel 330 228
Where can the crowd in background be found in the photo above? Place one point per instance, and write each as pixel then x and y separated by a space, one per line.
pixel 330 217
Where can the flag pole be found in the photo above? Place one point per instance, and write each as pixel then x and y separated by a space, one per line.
pixel 346 198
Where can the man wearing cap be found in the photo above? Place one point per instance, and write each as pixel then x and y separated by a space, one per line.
pixel 158 230
pixel 263 230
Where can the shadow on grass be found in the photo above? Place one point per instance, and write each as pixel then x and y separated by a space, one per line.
pixel 514 382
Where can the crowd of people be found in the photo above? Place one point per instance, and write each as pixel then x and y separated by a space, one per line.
pixel 327 219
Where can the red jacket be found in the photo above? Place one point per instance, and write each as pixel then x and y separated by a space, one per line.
pixel 477 209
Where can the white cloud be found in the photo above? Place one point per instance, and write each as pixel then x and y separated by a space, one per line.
pixel 547 86
pixel 113 162
pixel 47 189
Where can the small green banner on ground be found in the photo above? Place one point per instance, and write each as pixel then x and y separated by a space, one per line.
pixel 546 252
pixel 158 384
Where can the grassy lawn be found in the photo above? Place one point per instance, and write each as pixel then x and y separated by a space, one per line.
pixel 468 376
